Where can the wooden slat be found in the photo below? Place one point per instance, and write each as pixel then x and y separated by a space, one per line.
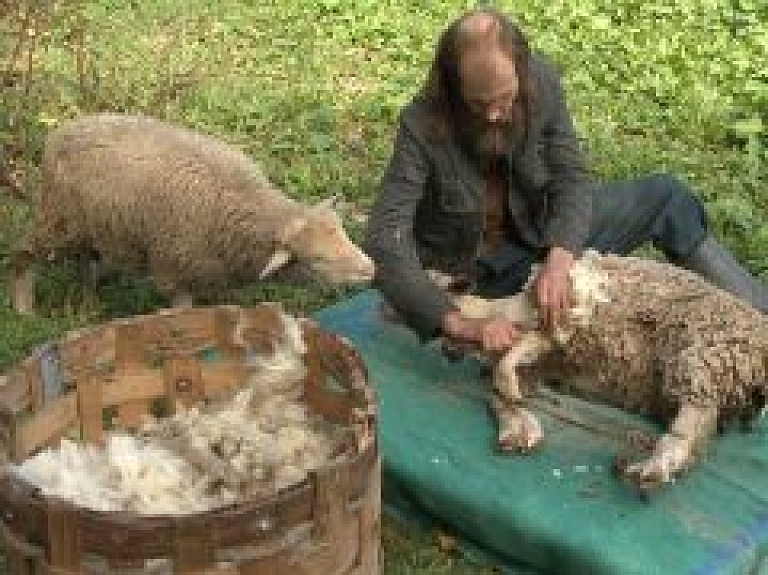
pixel 277 555
pixel 370 523
pixel 194 550
pixel 123 538
pixel 14 392
pixel 274 562
pixel 63 540
pixel 261 327
pixel 183 381
pixel 130 355
pixel 48 424
pixel 8 441
pixel 130 348
pixel 31 370
pixel 130 415
pixel 88 352
pixel 336 530
pixel 90 406
pixel 225 319
pixel 147 384
pixel 331 484
pixel 177 331
pixel 222 376
pixel 133 385
pixel 255 521
pixel 197 322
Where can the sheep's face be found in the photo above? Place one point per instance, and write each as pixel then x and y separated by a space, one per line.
pixel 318 240
pixel 587 287
pixel 587 290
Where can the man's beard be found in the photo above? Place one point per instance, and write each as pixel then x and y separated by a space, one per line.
pixel 487 139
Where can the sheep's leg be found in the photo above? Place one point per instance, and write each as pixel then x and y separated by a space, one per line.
pixel 518 428
pixel 676 449
pixel 181 298
pixel 22 274
pixel 22 287
pixel 39 244
pixel 93 270
pixel 164 275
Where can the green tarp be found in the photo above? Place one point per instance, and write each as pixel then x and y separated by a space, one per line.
pixel 560 509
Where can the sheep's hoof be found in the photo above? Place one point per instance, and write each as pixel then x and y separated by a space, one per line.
pixel 671 456
pixel 182 299
pixel 646 479
pixel 23 307
pixel 519 431
pixel 22 294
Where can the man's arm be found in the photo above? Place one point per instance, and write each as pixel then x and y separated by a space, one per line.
pixel 570 192
pixel 389 238
pixel 570 201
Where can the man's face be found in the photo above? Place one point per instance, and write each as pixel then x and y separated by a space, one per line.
pixel 489 89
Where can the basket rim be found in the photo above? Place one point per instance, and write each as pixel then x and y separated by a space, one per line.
pixel 352 455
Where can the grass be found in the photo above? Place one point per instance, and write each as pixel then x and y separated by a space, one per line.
pixel 312 89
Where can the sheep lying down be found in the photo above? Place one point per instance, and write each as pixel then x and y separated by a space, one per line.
pixel 238 447
pixel 642 335
pixel 190 210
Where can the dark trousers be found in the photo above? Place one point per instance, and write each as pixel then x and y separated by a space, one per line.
pixel 625 215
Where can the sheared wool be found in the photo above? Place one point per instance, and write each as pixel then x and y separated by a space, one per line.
pixel 128 474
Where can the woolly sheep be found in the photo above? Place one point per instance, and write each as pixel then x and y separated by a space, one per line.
pixel 645 336
pixel 191 210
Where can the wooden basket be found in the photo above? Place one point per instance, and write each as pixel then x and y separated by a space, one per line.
pixel 108 376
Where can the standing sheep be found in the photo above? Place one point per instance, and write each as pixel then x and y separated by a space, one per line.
pixel 646 336
pixel 192 211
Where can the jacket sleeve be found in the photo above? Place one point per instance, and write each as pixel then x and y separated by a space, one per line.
pixel 570 191
pixel 389 237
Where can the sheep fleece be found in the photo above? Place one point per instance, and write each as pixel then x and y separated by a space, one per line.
pixel 666 337
pixel 146 194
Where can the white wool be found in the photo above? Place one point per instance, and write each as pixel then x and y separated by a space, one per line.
pixel 587 290
pixel 128 474
pixel 285 366
pixel 587 287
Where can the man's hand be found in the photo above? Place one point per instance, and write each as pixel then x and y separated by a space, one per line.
pixel 552 287
pixel 490 335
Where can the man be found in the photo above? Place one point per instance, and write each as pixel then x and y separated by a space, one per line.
pixel 487 178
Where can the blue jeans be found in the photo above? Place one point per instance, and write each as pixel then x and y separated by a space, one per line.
pixel 625 215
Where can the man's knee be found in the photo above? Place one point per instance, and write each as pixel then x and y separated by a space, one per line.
pixel 681 220
pixel 668 190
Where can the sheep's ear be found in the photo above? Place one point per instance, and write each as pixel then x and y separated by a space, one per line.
pixel 291 228
pixel 278 260
pixel 329 202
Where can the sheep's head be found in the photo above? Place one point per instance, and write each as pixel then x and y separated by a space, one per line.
pixel 587 287
pixel 317 239
pixel 587 290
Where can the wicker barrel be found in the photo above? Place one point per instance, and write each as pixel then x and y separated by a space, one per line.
pixel 110 375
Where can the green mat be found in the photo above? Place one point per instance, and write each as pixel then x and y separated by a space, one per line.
pixel 559 510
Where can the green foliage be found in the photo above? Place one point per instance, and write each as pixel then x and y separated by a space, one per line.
pixel 313 89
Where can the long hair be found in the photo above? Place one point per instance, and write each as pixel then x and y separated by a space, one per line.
pixel 442 90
